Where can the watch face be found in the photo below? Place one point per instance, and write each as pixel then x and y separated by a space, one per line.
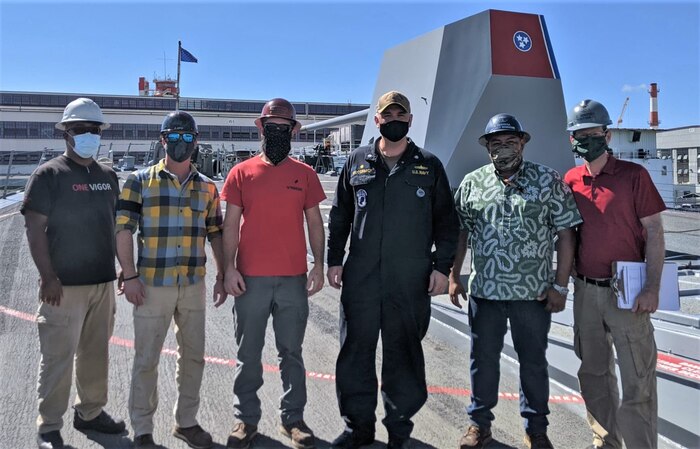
pixel 561 290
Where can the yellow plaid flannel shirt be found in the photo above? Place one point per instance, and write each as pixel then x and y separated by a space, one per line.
pixel 172 220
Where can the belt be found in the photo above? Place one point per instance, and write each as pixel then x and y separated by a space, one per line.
pixel 598 282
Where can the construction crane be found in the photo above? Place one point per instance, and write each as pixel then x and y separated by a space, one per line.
pixel 624 106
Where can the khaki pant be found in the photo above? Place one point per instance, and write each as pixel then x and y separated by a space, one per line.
pixel 77 330
pixel 186 304
pixel 598 325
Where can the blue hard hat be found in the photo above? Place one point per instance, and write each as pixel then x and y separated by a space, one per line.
pixel 503 123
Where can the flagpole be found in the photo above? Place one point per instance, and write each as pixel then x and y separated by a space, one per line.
pixel 177 92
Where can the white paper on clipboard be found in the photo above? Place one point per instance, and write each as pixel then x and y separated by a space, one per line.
pixel 629 278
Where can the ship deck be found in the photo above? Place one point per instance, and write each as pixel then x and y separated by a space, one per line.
pixel 438 425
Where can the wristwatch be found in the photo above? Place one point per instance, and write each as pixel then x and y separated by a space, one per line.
pixel 564 291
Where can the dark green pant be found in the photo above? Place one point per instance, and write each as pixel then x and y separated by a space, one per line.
pixel 285 298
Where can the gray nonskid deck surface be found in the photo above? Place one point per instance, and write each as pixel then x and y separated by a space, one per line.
pixel 439 424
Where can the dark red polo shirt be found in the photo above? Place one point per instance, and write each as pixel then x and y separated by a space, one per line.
pixel 611 205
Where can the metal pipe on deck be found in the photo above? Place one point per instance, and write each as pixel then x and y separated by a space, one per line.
pixel 353 117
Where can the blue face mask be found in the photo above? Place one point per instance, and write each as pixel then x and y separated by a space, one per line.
pixel 86 145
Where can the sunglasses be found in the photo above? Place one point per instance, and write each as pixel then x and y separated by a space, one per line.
pixel 84 130
pixel 174 137
pixel 277 127
pixel 579 136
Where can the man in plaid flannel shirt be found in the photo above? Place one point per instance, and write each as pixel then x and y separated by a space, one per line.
pixel 175 207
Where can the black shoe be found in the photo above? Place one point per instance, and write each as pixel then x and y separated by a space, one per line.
pixel 399 443
pixel 103 423
pixel 353 439
pixel 194 436
pixel 50 440
pixel 538 441
pixel 144 441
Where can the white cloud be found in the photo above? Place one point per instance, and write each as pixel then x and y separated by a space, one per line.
pixel 631 88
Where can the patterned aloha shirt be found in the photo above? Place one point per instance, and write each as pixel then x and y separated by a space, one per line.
pixel 512 228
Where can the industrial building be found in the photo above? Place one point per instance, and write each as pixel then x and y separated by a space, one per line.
pixel 679 146
pixel 27 122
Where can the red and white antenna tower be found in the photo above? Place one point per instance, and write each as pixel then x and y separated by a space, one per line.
pixel 653 106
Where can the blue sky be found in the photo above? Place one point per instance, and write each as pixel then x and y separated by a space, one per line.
pixel 331 51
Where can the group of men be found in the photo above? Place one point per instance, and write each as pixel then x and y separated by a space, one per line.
pixel 408 240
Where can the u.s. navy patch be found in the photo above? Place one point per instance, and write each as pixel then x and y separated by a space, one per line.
pixel 361 198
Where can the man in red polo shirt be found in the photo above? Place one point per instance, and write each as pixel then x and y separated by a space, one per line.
pixel 621 211
pixel 267 199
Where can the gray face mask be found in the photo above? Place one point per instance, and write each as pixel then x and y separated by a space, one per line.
pixel 506 159
pixel 179 151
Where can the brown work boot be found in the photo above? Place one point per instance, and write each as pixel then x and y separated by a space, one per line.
pixel 302 437
pixel 475 437
pixel 538 441
pixel 241 435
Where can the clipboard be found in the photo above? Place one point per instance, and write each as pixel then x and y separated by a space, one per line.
pixel 629 278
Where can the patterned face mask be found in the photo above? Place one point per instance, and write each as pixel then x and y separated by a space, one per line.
pixel 277 142
pixel 589 147
pixel 506 159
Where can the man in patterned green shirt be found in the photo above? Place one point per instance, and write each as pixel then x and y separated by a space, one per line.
pixel 512 211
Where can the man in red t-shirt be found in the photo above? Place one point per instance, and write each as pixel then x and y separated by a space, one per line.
pixel 267 198
pixel 621 211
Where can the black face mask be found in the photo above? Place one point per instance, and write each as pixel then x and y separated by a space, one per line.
pixel 179 151
pixel 394 131
pixel 276 144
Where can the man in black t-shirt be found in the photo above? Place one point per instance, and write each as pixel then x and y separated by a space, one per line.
pixel 69 209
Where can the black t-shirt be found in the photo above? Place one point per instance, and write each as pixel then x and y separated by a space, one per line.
pixel 80 204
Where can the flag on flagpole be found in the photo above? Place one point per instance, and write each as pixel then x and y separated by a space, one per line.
pixel 186 56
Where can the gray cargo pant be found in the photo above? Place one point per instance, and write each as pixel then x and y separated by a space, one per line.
pixel 286 299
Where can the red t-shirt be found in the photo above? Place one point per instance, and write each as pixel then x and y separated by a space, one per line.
pixel 273 199
pixel 611 205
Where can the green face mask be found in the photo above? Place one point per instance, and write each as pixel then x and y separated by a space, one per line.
pixel 590 147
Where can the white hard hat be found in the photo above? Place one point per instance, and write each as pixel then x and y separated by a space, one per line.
pixel 82 110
